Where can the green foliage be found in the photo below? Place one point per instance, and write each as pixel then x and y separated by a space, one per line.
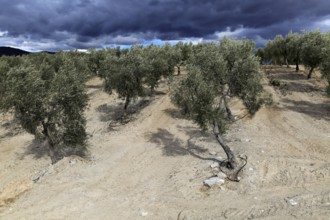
pixel 312 44
pixel 215 72
pixel 136 68
pixel 95 60
pixel 211 63
pixel 196 97
pixel 156 65
pixel 275 50
pixel 173 57
pixel 283 87
pixel 274 82
pixel 184 51
pixel 6 63
pixel 243 76
pixel 260 52
pixel 4 68
pixel 294 47
pixel 310 48
pixel 180 53
pixel 325 65
pixel 48 98
pixel 284 50
pixel 125 74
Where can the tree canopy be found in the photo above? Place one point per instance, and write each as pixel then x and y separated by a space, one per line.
pixel 48 98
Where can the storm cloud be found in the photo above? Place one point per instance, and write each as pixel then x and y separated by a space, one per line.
pixel 61 24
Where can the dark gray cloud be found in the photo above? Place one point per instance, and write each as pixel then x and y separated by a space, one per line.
pixel 63 24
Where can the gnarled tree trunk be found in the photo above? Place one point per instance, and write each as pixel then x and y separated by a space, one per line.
pixel 297 66
pixel 51 145
pixel 229 113
pixel 179 69
pixel 232 161
pixel 310 73
pixel 127 101
pixel 287 63
pixel 225 93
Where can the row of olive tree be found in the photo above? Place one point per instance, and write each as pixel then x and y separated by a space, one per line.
pixel 298 48
pixel 47 95
pixel 47 92
pixel 216 72
pixel 130 71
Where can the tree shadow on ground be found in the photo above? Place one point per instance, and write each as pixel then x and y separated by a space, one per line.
pixel 115 112
pixel 150 93
pixel 39 149
pixel 96 86
pixel 315 110
pixel 12 128
pixel 174 113
pixel 173 146
pixel 302 87
pixel 289 76
pixel 195 132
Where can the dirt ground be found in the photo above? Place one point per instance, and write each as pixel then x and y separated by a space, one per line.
pixel 154 166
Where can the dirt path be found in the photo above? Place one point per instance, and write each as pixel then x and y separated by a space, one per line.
pixel 147 169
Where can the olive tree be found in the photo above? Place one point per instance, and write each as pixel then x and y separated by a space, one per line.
pixel 276 50
pixel 172 57
pixel 6 63
pixel 182 52
pixel 49 103
pixel 155 64
pixel 312 44
pixel 216 72
pixel 125 74
pixel 325 65
pixel 294 48
pixel 94 59
pixel 4 68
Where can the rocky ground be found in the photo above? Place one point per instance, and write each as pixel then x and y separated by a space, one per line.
pixel 154 166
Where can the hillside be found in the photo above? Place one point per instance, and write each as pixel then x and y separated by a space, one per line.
pixel 154 166
pixel 10 51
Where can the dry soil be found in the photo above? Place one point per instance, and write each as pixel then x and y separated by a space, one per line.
pixel 153 167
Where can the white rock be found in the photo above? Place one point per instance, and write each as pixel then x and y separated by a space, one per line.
pixel 213 180
pixel 213 153
pixel 242 155
pixel 251 169
pixel 214 165
pixel 248 140
pixel 291 201
pixel 143 212
pixel 222 175
pixel 219 158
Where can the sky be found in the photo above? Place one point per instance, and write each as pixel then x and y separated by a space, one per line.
pixel 36 25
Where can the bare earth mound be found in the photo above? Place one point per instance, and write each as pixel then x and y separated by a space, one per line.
pixel 154 166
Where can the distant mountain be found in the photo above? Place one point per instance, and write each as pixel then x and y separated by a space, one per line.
pixel 47 52
pixel 9 51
